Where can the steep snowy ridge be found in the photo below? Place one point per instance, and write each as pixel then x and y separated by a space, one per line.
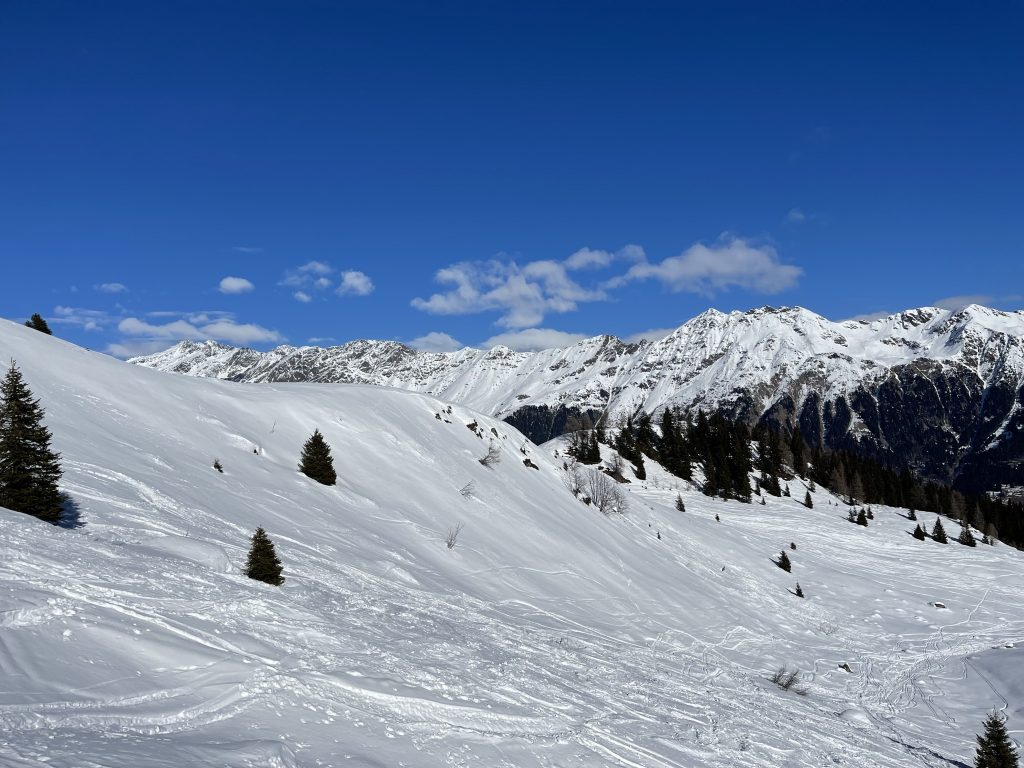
pixel 549 636
pixel 849 384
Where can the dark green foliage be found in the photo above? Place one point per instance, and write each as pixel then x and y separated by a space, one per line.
pixel 317 462
pixel 798 448
pixel 584 447
pixel 783 562
pixel 673 450
pixel 808 502
pixel 851 516
pixel 799 592
pixel 723 447
pixel 217 466
pixel 639 469
pixel 995 750
pixel 37 322
pixel 919 533
pixel 29 470
pixel 263 563
pixel 938 532
pixel 966 537
pixel 862 518
pixel 679 503
pixel 792 545
pixel 911 515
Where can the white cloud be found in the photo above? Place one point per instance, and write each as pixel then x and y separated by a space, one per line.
pixel 523 295
pixel 533 339
pixel 795 216
pixel 311 274
pixel 655 334
pixel 86 319
pixel 200 327
pixel 240 333
pixel 246 249
pixel 111 287
pixel 302 296
pixel 355 283
pixel 316 268
pixel 436 342
pixel 235 285
pixel 320 339
pixel 706 270
pixel 959 302
pixel 127 349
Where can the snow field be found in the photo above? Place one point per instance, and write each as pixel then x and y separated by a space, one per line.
pixel 549 636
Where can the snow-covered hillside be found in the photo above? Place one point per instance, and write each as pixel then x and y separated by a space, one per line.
pixel 549 636
pixel 944 390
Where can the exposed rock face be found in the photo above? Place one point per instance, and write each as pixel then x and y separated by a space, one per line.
pixel 942 391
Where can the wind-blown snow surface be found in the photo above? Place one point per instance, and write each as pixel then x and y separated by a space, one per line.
pixel 549 636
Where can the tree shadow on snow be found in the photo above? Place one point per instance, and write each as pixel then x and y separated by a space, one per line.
pixel 70 514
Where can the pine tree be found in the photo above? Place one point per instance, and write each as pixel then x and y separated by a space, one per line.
pixel 317 462
pixel 799 591
pixel 966 537
pixel 29 470
pixel 783 562
pixel 679 503
pixel 919 532
pixel 995 750
pixel 938 532
pixel 808 502
pixel 37 322
pixel 911 515
pixel 263 564
pixel 862 519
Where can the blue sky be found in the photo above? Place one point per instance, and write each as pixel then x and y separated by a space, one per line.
pixel 442 173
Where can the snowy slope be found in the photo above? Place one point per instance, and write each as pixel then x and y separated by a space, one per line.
pixel 550 635
pixel 706 361
pixel 941 390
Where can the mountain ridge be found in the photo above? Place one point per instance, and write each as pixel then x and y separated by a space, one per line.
pixel 939 390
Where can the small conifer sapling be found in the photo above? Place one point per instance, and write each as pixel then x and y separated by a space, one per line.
pixel 995 750
pixel 263 564
pixel 317 461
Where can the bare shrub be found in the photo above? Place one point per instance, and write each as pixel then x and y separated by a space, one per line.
pixel 493 455
pixel 787 680
pixel 573 477
pixel 467 490
pixel 605 493
pixel 453 536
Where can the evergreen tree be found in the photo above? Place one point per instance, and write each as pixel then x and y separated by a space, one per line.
pixel 799 591
pixel 639 469
pixel 966 537
pixel 938 532
pixel 919 532
pixel 29 470
pixel 37 322
pixel 263 564
pixel 317 462
pixel 995 750
pixel 808 502
pixel 911 515
pixel 783 562
pixel 679 503
pixel 862 518
pixel 851 516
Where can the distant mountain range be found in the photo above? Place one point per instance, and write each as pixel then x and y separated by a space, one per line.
pixel 939 391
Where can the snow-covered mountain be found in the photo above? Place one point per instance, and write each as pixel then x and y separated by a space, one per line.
pixel 550 635
pixel 939 389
